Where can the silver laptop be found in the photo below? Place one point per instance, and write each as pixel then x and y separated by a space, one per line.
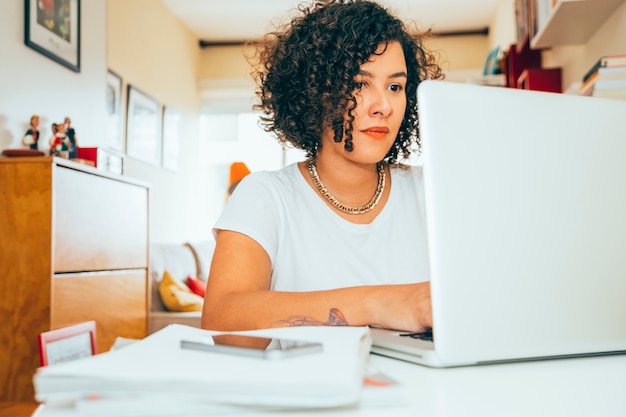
pixel 526 207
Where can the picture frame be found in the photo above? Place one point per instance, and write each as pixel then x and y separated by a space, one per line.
pixel 67 343
pixel 143 127
pixel 115 123
pixel 172 135
pixel 52 28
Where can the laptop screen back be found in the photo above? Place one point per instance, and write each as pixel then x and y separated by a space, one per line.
pixel 526 207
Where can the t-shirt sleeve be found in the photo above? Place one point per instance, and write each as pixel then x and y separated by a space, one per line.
pixel 253 210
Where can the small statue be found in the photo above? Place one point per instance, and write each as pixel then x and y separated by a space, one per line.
pixel 71 134
pixel 31 137
pixel 60 144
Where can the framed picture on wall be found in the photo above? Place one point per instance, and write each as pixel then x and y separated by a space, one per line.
pixel 52 27
pixel 172 134
pixel 115 115
pixel 143 127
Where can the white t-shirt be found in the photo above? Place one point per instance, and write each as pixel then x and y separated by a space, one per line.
pixel 312 248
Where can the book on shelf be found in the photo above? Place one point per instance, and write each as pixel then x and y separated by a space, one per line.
pixel 610 84
pixel 618 93
pixel 156 374
pixel 606 61
pixel 602 74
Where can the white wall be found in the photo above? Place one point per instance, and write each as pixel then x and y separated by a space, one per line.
pixel 502 31
pixel 33 83
pixel 152 50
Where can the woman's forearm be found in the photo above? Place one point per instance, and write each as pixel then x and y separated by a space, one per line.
pixel 404 307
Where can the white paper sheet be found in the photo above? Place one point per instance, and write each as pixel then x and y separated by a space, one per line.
pixel 157 366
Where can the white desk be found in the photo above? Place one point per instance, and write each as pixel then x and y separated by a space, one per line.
pixel 584 387
pixel 567 387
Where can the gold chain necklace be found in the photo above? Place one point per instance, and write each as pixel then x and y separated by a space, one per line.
pixel 340 206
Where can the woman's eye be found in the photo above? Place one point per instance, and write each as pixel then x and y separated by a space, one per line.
pixel 395 87
pixel 358 85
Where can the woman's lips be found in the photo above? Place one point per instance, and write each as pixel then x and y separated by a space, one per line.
pixel 376 132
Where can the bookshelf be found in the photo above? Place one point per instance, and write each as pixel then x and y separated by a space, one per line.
pixel 573 22
pixel 547 24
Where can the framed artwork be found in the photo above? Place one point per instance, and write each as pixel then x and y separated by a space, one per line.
pixel 115 131
pixel 143 131
pixel 68 343
pixel 172 134
pixel 52 27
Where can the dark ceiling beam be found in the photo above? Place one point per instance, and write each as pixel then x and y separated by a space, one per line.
pixel 208 44
pixel 474 32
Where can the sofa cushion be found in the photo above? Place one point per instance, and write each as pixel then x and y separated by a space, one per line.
pixel 177 296
pixel 197 286
pixel 177 259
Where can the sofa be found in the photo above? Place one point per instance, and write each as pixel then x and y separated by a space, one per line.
pixel 181 261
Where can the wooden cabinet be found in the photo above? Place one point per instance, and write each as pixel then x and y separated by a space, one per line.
pixel 73 247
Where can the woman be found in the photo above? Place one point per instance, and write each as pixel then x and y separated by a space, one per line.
pixel 340 238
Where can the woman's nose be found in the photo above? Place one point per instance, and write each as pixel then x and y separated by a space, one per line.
pixel 380 105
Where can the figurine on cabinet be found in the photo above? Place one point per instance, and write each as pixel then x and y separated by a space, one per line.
pixel 70 132
pixel 31 137
pixel 60 144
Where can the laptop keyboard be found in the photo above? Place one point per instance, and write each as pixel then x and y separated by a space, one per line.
pixel 427 335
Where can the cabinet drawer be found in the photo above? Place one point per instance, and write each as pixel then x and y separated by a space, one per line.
pixel 117 301
pixel 100 223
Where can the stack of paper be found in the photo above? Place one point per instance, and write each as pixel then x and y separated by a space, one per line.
pixel 155 376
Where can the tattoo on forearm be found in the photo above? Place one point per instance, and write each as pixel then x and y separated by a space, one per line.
pixel 335 318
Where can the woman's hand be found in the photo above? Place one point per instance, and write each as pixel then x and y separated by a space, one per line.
pixel 405 307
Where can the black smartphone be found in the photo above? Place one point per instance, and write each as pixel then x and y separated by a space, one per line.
pixel 253 346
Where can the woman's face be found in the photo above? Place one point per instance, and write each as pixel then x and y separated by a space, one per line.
pixel 381 103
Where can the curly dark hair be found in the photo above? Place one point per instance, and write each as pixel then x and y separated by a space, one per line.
pixel 306 70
